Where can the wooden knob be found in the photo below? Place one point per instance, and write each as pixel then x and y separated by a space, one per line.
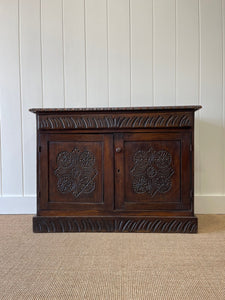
pixel 118 149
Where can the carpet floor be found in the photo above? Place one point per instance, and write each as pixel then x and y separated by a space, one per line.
pixel 111 265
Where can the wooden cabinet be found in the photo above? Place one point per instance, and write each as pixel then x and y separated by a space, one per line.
pixel 125 169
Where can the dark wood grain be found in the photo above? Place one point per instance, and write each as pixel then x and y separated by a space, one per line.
pixel 115 169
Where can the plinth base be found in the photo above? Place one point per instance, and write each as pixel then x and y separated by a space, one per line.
pixel 158 224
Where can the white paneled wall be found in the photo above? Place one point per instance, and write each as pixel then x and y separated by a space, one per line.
pixel 96 52
pixel 141 49
pixel 119 68
pixel 75 53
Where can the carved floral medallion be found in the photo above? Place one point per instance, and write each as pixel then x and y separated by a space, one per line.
pixel 152 172
pixel 76 172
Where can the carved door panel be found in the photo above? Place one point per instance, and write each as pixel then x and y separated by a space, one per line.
pixel 150 171
pixel 72 168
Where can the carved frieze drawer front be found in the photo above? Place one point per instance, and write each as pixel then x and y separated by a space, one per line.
pixel 121 121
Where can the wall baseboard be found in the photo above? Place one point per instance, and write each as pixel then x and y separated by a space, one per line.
pixel 18 204
pixel 210 204
pixel 204 204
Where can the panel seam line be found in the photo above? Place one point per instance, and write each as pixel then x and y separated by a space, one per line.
pixel 63 55
pixel 107 49
pixel 153 54
pixel 130 51
pixel 199 85
pixel 41 57
pixel 20 96
pixel 223 85
pixel 85 50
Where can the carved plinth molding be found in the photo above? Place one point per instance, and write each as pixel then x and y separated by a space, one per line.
pixel 115 224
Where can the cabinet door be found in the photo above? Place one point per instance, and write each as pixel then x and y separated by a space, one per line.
pixel 74 172
pixel 153 171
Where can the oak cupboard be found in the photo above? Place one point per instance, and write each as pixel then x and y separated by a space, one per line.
pixel 115 169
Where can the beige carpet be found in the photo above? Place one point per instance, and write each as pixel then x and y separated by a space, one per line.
pixel 111 265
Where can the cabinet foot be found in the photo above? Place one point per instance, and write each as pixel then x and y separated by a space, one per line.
pixel 156 224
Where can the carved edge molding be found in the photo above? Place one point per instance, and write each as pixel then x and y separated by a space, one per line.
pixel 179 119
pixel 115 224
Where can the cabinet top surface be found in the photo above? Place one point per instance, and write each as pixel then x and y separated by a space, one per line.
pixel 115 109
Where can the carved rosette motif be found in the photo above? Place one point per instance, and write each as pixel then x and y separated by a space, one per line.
pixel 152 172
pixel 76 172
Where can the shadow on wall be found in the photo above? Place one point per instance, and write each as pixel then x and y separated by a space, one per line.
pixel 209 158
pixel 209 166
